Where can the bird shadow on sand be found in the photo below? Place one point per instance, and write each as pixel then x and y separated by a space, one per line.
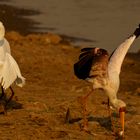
pixel 13 104
pixel 103 121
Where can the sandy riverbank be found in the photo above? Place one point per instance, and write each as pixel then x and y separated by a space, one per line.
pixel 38 109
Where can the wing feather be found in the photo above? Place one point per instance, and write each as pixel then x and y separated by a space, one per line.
pixel 82 55
pixel 88 60
pixel 7 46
pixel 11 73
pixel 83 66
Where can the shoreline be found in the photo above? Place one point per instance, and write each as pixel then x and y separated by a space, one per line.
pixel 18 19
pixel 46 61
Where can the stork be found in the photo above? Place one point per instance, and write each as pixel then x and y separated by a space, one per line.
pixel 97 67
pixel 9 69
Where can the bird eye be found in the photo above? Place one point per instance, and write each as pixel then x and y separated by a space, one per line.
pixel 99 52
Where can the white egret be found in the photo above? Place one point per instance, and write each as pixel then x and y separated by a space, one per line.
pixel 103 72
pixel 9 69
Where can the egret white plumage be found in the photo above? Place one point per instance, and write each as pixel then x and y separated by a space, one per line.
pixel 9 69
pixel 103 72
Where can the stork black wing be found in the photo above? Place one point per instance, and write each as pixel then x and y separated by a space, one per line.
pixel 86 49
pixel 83 66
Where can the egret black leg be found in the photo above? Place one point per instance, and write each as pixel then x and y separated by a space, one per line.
pixel 2 103
pixel 2 94
pixel 12 94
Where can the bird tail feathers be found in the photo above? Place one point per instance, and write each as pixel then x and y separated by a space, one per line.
pixel 137 31
pixel 20 81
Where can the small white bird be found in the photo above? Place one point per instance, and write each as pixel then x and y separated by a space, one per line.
pixel 103 72
pixel 9 70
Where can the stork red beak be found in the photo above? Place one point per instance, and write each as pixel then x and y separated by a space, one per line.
pixel 122 116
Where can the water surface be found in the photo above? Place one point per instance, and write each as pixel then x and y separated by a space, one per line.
pixel 102 23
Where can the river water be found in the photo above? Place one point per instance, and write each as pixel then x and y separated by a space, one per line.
pixel 99 23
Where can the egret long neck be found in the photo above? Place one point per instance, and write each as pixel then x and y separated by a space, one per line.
pixel 1 42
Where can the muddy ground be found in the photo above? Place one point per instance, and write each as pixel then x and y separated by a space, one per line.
pixel 38 110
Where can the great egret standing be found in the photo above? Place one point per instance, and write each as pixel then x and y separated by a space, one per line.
pixel 9 69
pixel 103 72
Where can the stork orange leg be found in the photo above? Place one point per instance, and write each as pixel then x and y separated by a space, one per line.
pixel 83 101
pixel 110 115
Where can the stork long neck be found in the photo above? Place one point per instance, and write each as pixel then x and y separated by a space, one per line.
pixel 118 55
pixel 111 92
pixel 115 102
pixel 123 49
pixel 112 98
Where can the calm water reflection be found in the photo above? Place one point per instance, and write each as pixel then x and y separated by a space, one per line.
pixel 102 23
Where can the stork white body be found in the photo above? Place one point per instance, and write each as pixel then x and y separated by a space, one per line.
pixel 95 66
pixel 9 69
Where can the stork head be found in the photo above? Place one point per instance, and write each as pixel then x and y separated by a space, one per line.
pixel 2 31
pixel 118 104
pixel 101 56
pixel 100 52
